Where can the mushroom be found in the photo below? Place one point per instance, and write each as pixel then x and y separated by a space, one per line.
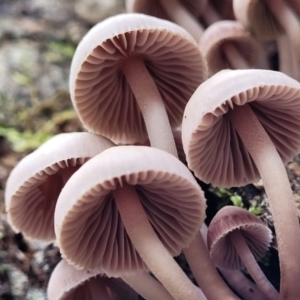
pixel 241 284
pixel 131 69
pixel 228 44
pixel 268 19
pixel 237 240
pixel 129 209
pixel 35 183
pixel 254 117
pixel 68 283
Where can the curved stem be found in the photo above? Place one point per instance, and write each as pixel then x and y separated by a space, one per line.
pixel 205 272
pixel 150 248
pixel 181 16
pixel 290 23
pixel 251 265
pixel 147 286
pixel 281 199
pixel 236 60
pixel 151 105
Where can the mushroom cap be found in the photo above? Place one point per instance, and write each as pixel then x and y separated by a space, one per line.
pixel 89 229
pixel 228 219
pixel 68 283
pixel 154 7
pixel 257 17
pixel 35 183
pixel 99 90
pixel 214 151
pixel 221 32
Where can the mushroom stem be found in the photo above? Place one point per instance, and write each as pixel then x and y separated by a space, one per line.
pixel 205 272
pixel 290 23
pixel 281 199
pixel 149 246
pixel 251 265
pixel 151 105
pixel 147 286
pixel 181 16
pixel 287 57
pixel 236 60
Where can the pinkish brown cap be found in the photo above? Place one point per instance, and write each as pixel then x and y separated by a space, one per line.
pixel 90 232
pixel 36 182
pixel 100 93
pixel 257 17
pixel 220 33
pixel 68 283
pixel 230 218
pixel 215 152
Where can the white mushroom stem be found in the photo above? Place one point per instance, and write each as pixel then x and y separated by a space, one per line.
pixel 236 60
pixel 205 272
pixel 147 286
pixel 251 265
pixel 151 105
pixel 181 16
pixel 287 57
pixel 290 23
pixel 281 199
pixel 149 246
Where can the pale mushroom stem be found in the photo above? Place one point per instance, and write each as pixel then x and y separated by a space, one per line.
pixel 281 199
pixel 147 286
pixel 290 23
pixel 181 16
pixel 205 272
pixel 149 246
pixel 287 57
pixel 251 265
pixel 236 60
pixel 151 105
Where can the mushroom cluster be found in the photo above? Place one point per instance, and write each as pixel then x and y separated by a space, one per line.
pixel 121 200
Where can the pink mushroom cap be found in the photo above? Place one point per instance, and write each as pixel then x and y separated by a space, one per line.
pixel 36 182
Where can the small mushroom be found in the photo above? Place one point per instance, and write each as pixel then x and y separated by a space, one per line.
pixel 36 182
pixel 237 240
pixel 227 44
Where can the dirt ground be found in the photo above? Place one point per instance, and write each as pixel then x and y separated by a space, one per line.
pixel 37 41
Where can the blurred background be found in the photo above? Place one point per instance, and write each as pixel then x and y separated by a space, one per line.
pixel 37 42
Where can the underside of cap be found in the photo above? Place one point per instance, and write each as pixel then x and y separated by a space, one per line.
pixel 258 18
pixel 100 93
pixel 221 32
pixel 89 229
pixel 213 148
pixel 257 236
pixel 36 182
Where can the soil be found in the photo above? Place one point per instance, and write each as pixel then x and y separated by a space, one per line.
pixel 37 40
